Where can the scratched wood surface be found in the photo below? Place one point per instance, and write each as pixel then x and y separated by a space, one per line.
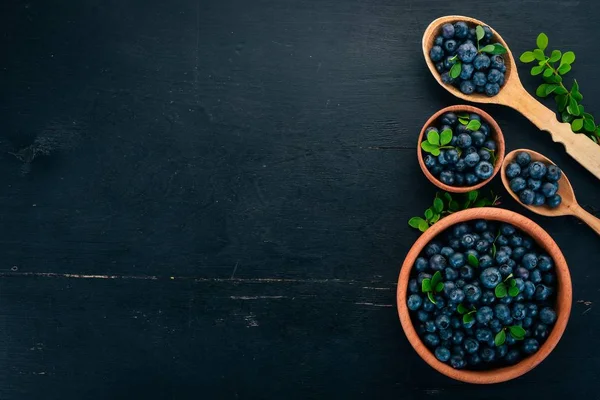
pixel 208 198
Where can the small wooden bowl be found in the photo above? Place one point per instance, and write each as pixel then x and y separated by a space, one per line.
pixel 496 134
pixel 563 300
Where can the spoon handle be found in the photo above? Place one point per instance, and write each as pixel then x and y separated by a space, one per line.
pixel 578 146
pixel 586 217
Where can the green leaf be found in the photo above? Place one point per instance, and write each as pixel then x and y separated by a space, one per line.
pixel 517 332
pixel 500 290
pixel 551 88
pixel 542 41
pixel 453 206
pixel 463 121
pixel 428 147
pixel 414 222
pixel 463 115
pixel 494 250
pixel 555 56
pixel 438 205
pixel 566 117
pixel 487 49
pixel 500 338
pixel 462 309
pixel 433 138
pixel 446 137
pixel 479 32
pixel 448 197
pixel 563 69
pixel 581 109
pixel 439 287
pixel 455 70
pixel 512 282
pixel 473 125
pixel 431 298
pixel 426 285
pixel 561 101
pixel 577 124
pixel 527 57
pixel 495 48
pixel 468 318
pixel 539 55
pixel 435 218
pixel 568 58
pixel 575 93
pixel 548 72
pixel 560 90
pixel 429 213
pixel 480 203
pixel 554 78
pixel 472 195
pixel 588 125
pixel 436 278
pixel 473 261
pixel 541 90
pixel 538 69
pixel 573 107
pixel 513 291
pixel 423 226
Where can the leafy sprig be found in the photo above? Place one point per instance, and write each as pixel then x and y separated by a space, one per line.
pixel 552 68
pixel 444 204
pixel 492 48
pixel 516 331
pixel 507 287
pixel 437 141
pixel 468 314
pixel 432 285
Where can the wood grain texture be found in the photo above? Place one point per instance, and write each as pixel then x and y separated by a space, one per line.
pixel 514 95
pixel 246 149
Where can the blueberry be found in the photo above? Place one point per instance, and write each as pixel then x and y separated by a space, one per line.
pixel 482 246
pixel 446 78
pixel 529 290
pixel 450 46
pixel 414 302
pixel 439 302
pixel 491 145
pixel 439 66
pixel 545 263
pixel 512 170
pixel 502 312
pixel 466 71
pixel 454 243
pixel 457 260
pixel 484 170
pixel 492 89
pixel 530 346
pixel 533 184
pixel 467 87
pixel 513 356
pixel 494 76
pixel 442 354
pixel 519 311
pixel 472 293
pixel 532 309
pixel 467 272
pixel 484 155
pixel 448 31
pixel 467 52
pixel 436 53
pixel 527 243
pixel 523 159
pixel 537 170
pixel 436 169
pixel 488 33
pixel 439 40
pixel 446 251
pixel 442 322
pixel 442 158
pixel 502 257
pixel 518 252
pixel 483 335
pixel 460 164
pixel 495 325
pixel 422 315
pixel 463 140
pixel 527 322
pixel 542 292
pixel 506 300
pixel 450 274
pixel 471 345
pixel 549 189
pixel 517 184
pixel 497 62
pixel 472 159
pixel 540 331
pixel 456 295
pixel 421 276
pixel 529 261
pixel 459 179
pixel 458 337
pixel 457 362
pixel 474 359
pixel 467 241
pixel 501 351
pixel 461 30
pixel 428 306
pixel 413 286
pixel 447 178
pixel 479 79
pixel 539 199
pixel 432 249
pixel 449 118
pixel 527 196
pixel 490 277
pixel 535 276
pixel 431 340
pixel 430 161
pixel 455 322
pixel 524 173
pixel 487 354
pixel 522 273
pixel 484 315
pixel 470 179
pixel 505 270
pixel 481 62
pixel 554 201
pixel 553 174
pixel 488 297
pixel 470 149
pixel 501 240
pixel 485 261
pixel 489 235
pixel 547 315
pixel 421 264
pixel 445 334
pixel 457 350
pixel 430 326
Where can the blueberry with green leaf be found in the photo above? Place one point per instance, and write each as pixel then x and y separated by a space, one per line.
pixel 508 287
pixel 515 331
pixel 432 286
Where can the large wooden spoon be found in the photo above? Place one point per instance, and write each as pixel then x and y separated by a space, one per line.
pixel 568 206
pixel 514 95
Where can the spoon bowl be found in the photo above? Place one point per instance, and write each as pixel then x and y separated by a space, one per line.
pixel 568 206
pixel 514 95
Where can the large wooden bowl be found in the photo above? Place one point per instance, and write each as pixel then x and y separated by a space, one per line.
pixel 563 300
pixel 496 134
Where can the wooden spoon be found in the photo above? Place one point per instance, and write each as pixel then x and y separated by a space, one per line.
pixel 514 95
pixel 568 206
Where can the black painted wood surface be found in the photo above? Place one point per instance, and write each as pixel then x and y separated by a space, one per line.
pixel 208 198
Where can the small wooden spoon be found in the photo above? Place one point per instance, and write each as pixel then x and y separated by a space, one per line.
pixel 568 206
pixel 514 95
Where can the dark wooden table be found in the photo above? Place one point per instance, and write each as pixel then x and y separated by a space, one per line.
pixel 208 199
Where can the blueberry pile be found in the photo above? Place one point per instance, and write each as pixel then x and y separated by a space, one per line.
pixel 461 150
pixel 468 58
pixel 481 295
pixel 536 183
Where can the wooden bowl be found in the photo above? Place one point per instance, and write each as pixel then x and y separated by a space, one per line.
pixel 496 134
pixel 564 295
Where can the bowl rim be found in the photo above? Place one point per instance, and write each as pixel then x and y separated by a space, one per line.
pixel 562 306
pixel 496 133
